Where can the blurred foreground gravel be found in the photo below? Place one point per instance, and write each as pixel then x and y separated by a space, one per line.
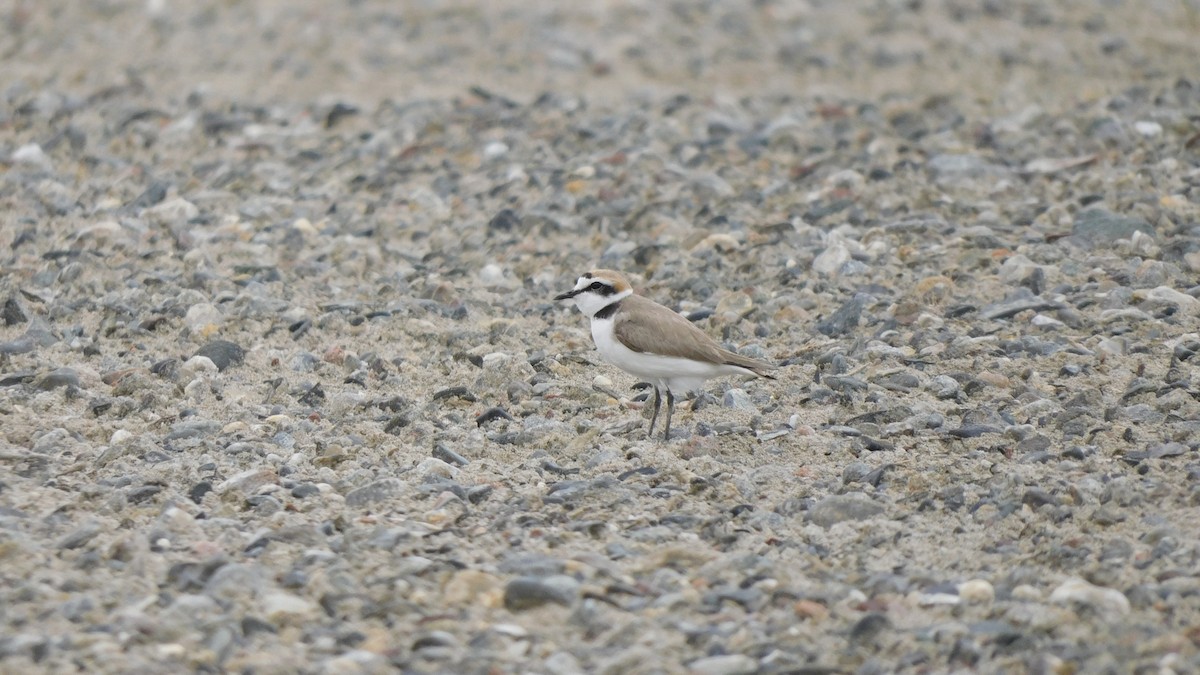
pixel 282 388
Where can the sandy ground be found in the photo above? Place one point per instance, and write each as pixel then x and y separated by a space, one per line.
pixel 283 389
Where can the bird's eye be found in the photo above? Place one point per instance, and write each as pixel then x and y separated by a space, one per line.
pixel 596 285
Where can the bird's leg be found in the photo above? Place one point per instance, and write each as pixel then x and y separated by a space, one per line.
pixel 654 417
pixel 670 409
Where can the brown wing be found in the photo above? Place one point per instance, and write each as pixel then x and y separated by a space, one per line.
pixel 641 331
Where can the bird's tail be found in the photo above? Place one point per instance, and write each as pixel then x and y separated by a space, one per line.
pixel 759 368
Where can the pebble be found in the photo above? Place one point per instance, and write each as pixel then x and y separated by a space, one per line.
pixel 830 261
pixel 203 318
pixel 434 468
pixel 976 592
pixel 174 212
pixel 965 169
pixel 12 313
pixel 282 608
pixel 57 378
pixel 376 492
pixel 525 593
pixel 727 664
pixel 1110 604
pixel 222 353
pixel 33 155
pixel 80 536
pixel 841 508
pixel 1148 129
pixel 1100 227
pixel 738 399
pixel 471 587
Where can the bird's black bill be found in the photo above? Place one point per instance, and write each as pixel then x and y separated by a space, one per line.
pixel 566 296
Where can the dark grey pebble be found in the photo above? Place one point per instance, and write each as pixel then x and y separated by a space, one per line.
pixel 876 445
pixel 702 400
pixel 20 377
pixel 570 490
pixel 187 576
pixel 844 430
pixel 1078 452
pixel 294 578
pixel 1021 302
pixel 82 535
pixel 313 396
pixel 455 392
pixel 433 485
pixel 305 490
pixel 553 467
pixel 492 414
pixel 59 377
pixel 440 451
pixel 264 505
pixel 839 508
pixel 897 382
pixel 973 431
pixel 478 493
pixel 866 629
pixel 749 599
pixel 299 328
pixel 251 625
pixel 140 494
pixel 593 528
pixel 845 318
pixel 1098 226
pixel 396 424
pixel 12 313
pixel 953 168
pixel 532 565
pixel 378 491
pixel 167 368
pixel 1035 497
pixel 1037 457
pixel 528 592
pixel 155 193
pixel 876 476
pixel 854 472
pixel 34 337
pixel 505 220
pixel 192 429
pixel 1160 451
pixel 222 353
pixel 196 494
pixel 1185 350
pixel 437 638
pixel 394 404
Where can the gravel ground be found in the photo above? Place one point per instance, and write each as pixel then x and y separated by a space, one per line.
pixel 282 387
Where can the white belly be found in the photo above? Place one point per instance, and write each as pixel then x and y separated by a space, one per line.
pixel 671 372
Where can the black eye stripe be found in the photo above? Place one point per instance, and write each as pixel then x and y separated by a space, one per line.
pixel 602 288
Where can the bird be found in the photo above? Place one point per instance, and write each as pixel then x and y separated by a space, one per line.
pixel 652 342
